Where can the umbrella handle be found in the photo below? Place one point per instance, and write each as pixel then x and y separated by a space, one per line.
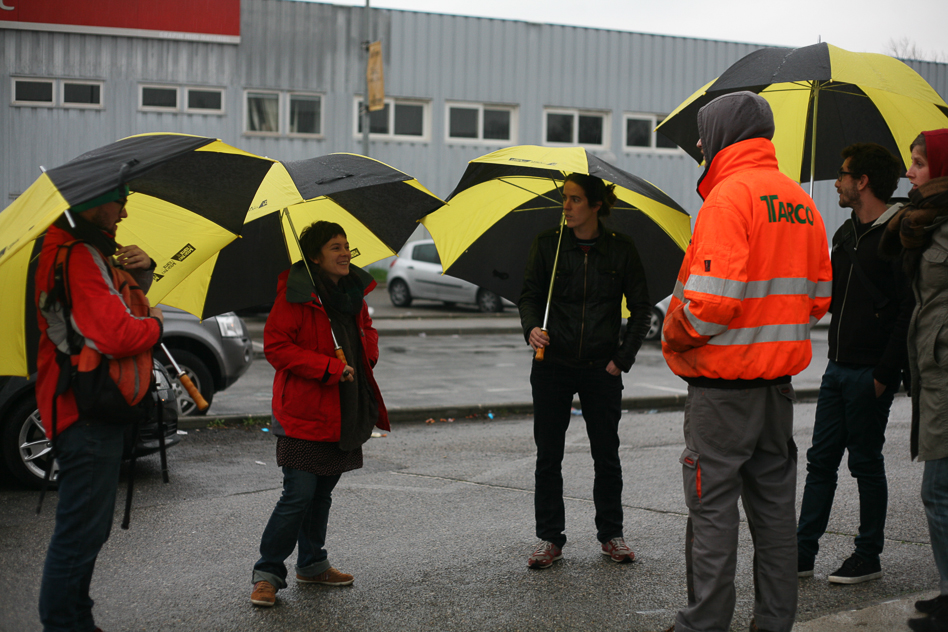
pixel 342 358
pixel 195 394
pixel 186 382
pixel 539 354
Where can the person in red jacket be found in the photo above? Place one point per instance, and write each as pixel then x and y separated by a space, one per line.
pixel 755 278
pixel 324 406
pixel 88 450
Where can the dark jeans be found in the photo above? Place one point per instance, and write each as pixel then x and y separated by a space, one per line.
pixel 90 457
pixel 300 516
pixel 849 417
pixel 935 499
pixel 600 395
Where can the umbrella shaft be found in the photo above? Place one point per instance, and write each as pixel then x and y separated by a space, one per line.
pixel 556 260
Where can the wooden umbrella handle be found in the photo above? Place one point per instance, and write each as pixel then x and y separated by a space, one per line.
pixel 342 358
pixel 539 354
pixel 195 394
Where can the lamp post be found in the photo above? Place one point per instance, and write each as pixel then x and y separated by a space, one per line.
pixel 365 99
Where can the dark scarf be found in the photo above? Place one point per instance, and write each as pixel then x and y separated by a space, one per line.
pixel 343 302
pixel 910 230
pixel 88 232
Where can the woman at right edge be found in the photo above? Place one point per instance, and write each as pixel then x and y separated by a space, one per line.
pixel 920 233
pixel 584 354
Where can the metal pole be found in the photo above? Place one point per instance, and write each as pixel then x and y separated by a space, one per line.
pixel 365 100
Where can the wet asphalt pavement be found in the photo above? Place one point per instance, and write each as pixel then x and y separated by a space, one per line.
pixel 438 524
pixel 436 529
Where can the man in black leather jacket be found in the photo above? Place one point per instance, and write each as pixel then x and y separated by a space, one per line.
pixel 584 354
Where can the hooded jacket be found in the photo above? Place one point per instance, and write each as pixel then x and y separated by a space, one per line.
pixel 757 273
pixel 298 342
pixel 99 314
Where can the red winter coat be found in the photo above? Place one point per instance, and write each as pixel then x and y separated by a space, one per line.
pixel 297 341
pixel 99 314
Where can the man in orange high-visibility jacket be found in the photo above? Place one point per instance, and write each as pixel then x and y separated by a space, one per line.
pixel 755 278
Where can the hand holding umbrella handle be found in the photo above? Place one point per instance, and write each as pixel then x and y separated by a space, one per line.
pixel 186 382
pixel 346 377
pixel 539 354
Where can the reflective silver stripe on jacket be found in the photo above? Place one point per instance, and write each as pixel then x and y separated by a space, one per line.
pixel 704 328
pixel 738 290
pixel 797 332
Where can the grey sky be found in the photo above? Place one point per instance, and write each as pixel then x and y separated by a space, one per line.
pixel 859 26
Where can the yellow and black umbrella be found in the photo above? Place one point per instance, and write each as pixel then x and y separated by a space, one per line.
pixel 189 197
pixel 504 199
pixel 823 98
pixel 377 205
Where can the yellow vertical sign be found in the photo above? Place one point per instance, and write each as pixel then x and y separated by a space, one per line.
pixel 375 78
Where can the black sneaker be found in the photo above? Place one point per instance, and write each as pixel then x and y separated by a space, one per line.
pixel 931 623
pixel 804 569
pixel 856 570
pixel 928 606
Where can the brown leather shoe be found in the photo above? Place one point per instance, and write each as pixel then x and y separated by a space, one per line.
pixel 331 577
pixel 264 594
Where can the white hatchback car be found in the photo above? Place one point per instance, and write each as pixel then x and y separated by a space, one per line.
pixel 416 273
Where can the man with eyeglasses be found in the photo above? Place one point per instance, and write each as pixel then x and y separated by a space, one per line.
pixel 871 307
pixel 90 292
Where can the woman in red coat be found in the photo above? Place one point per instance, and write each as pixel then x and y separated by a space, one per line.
pixel 324 408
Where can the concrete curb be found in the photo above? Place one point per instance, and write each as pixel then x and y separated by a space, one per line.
pixel 416 414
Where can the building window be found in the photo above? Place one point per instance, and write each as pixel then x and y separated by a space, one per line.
pixel 82 94
pixel 476 122
pixel 640 133
pixel 399 119
pixel 305 114
pixel 576 127
pixel 263 112
pixel 33 92
pixel 205 100
pixel 160 98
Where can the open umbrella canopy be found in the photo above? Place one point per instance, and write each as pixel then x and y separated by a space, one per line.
pixel 189 197
pixel 856 98
pixel 504 199
pixel 378 207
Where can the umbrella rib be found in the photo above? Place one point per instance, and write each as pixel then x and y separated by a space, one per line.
pixel 539 195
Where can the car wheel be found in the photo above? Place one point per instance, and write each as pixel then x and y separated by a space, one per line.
pixel 487 301
pixel 200 375
pixel 26 450
pixel 399 293
pixel 655 325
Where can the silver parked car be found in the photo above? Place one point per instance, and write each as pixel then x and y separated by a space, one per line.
pixel 416 273
pixel 213 352
pixel 658 319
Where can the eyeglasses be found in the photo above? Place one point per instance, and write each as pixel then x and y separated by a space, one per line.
pixel 122 202
pixel 840 173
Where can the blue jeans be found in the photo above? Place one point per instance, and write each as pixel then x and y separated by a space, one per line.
pixel 849 417
pixel 601 397
pixel 90 457
pixel 935 499
pixel 300 516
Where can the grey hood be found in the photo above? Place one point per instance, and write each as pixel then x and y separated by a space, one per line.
pixel 730 119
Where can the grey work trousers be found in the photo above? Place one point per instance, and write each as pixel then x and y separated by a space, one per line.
pixel 739 443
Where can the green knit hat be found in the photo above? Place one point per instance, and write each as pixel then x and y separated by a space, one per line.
pixel 105 198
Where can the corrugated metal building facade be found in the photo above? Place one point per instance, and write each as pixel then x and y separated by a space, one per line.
pixel 457 87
